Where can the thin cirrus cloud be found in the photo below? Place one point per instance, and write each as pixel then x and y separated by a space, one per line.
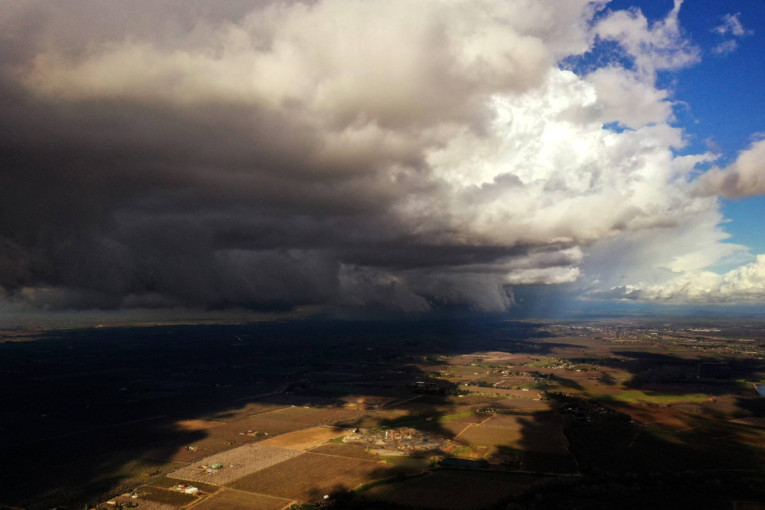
pixel 729 29
pixel 405 155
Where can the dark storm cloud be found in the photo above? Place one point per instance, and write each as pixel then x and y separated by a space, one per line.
pixel 278 154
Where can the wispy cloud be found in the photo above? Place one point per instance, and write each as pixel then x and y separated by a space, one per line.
pixel 731 26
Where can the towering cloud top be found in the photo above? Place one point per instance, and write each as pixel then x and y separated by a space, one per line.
pixel 390 153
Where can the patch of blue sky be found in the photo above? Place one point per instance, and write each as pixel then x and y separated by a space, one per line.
pixel 604 53
pixel 747 222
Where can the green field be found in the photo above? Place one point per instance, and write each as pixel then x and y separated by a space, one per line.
pixel 637 396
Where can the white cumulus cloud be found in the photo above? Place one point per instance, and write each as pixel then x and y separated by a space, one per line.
pixel 745 177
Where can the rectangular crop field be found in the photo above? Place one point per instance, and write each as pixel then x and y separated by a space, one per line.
pixel 345 450
pixel 311 475
pixel 212 445
pixel 228 499
pixel 293 413
pixel 165 496
pixel 331 415
pixel 541 432
pixel 533 436
pixel 236 463
pixel 490 436
pixel 261 423
pixel 304 439
pixel 508 421
pixel 234 433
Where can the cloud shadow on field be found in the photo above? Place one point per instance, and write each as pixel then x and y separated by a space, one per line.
pixel 92 412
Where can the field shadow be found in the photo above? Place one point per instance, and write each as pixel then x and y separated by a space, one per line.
pixel 621 462
pixel 89 412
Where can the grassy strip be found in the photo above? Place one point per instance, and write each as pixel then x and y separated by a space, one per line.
pixel 634 396
pixel 450 417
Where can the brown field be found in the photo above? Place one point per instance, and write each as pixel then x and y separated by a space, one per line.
pixel 452 490
pixel 228 499
pixel 192 425
pixel 345 450
pixel 166 496
pixel 490 436
pixel 474 399
pixel 331 415
pixel 259 423
pixel 166 483
pixel 304 439
pixel 246 411
pixel 724 404
pixel 455 427
pixel 661 416
pixel 178 454
pixel 509 421
pixel 523 433
pixel 292 413
pixel 497 357
pixel 213 444
pixel 417 407
pixel 311 475
pixel 237 463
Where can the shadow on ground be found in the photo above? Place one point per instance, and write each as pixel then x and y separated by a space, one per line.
pixel 92 412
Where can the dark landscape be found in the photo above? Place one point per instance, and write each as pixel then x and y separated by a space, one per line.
pixel 437 414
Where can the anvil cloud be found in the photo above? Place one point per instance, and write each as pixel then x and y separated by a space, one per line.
pixel 340 153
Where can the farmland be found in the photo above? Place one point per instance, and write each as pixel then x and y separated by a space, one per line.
pixel 345 450
pixel 235 464
pixel 304 439
pixel 420 415
pixel 311 475
pixel 227 499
